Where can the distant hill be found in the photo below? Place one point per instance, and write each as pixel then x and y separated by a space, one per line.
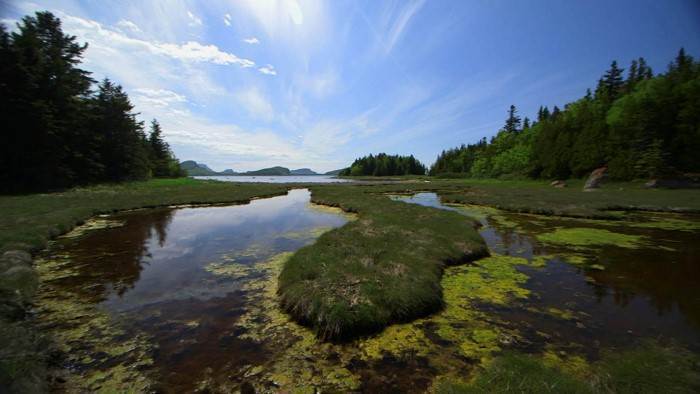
pixel 200 169
pixel 269 171
pixel 197 169
pixel 334 172
pixel 303 171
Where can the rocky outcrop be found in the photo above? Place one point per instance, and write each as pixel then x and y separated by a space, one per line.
pixel 558 184
pixel 595 179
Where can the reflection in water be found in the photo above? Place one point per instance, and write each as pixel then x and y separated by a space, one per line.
pixel 180 300
pixel 153 275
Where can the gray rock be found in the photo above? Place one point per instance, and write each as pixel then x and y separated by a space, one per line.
pixel 20 279
pixel 558 184
pixel 18 254
pixel 595 179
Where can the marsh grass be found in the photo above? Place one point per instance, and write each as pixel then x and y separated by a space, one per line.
pixel 382 268
pixel 649 368
pixel 539 197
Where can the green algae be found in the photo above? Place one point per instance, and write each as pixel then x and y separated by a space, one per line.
pixel 485 213
pixel 312 233
pixel 97 223
pixel 231 269
pixel 585 237
pixel 669 223
pixel 298 364
pixel 88 338
pixel 493 279
pixel 565 314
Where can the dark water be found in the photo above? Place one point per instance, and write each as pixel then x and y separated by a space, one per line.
pixel 649 291
pixel 175 277
pixel 183 299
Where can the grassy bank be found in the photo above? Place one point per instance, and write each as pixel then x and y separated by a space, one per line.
pixel 382 268
pixel 539 197
pixel 28 222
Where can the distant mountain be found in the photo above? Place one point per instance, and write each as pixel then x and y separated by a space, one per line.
pixel 197 169
pixel 334 172
pixel 269 171
pixel 200 169
pixel 303 171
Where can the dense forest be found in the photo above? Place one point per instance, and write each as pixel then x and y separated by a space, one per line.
pixel 59 132
pixel 383 165
pixel 639 126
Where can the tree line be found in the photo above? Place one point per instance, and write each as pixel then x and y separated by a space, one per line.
pixel 385 165
pixel 58 132
pixel 639 126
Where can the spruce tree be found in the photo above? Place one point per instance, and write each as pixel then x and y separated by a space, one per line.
pixel 513 121
pixel 612 81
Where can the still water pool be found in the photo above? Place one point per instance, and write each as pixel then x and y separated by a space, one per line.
pixel 184 298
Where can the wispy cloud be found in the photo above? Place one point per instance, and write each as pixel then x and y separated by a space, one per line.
pixel 128 25
pixel 251 40
pixel 191 51
pixel 268 70
pixel 194 20
pixel 159 97
pixel 255 102
pixel 399 24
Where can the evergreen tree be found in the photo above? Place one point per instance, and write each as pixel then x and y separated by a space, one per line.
pixel 125 151
pixel 43 107
pixel 612 81
pixel 513 121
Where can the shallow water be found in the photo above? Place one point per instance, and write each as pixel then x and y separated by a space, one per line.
pixel 181 299
pixel 278 178
pixel 610 295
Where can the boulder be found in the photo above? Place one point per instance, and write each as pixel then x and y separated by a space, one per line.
pixel 14 258
pixel 21 280
pixel 681 183
pixel 558 184
pixel 595 179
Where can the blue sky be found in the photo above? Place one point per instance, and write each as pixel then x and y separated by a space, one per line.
pixel 251 84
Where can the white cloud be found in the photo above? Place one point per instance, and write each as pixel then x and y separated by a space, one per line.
pixel 158 97
pixel 192 51
pixel 194 20
pixel 128 25
pixel 251 40
pixel 268 70
pixel 400 23
pixel 196 52
pixel 255 102
pixel 227 19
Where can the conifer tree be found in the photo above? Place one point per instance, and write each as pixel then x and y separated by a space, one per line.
pixel 513 121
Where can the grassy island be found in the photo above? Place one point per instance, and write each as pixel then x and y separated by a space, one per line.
pixel 382 268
